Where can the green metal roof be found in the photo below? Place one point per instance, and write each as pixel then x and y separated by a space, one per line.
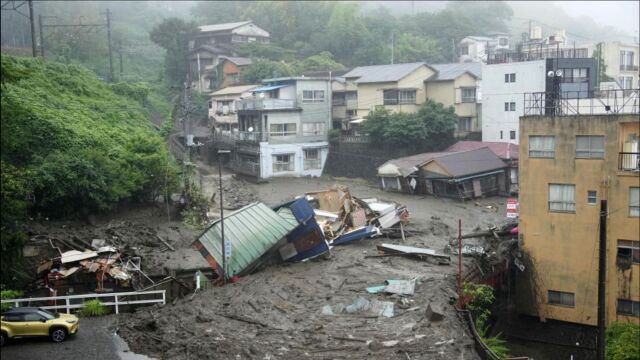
pixel 252 231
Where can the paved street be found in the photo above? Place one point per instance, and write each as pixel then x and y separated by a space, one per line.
pixel 95 340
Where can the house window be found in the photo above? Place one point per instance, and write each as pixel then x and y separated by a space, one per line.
pixel 562 198
pixel 310 129
pixel 464 49
pixel 500 134
pixel 239 39
pixel 512 134
pixel 577 75
pixel 560 298
pixel 282 129
pixel 626 60
pixel 464 124
pixel 311 159
pixel 313 96
pixel 468 94
pixel 352 112
pixel 590 147
pixel 634 201
pixel 542 147
pixel 592 197
pixel 510 78
pixel 407 96
pixel 390 97
pixel 626 82
pixel 628 251
pixel 282 163
pixel 628 307
pixel 210 104
pixel 510 106
pixel 232 78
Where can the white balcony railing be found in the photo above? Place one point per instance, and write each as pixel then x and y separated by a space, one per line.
pixel 267 104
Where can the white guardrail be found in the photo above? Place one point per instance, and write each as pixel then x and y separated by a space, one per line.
pixel 117 300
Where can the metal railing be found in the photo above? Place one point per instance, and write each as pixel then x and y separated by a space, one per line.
pixel 629 161
pixel 594 102
pixel 537 53
pixel 266 104
pixel 355 138
pixel 231 137
pixel 119 299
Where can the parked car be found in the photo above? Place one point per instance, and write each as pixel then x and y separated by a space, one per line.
pixel 32 322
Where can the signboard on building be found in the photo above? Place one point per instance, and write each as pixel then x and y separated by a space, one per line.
pixel 512 208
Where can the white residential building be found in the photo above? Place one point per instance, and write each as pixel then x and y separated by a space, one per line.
pixel 282 129
pixel 223 106
pixel 476 48
pixel 504 86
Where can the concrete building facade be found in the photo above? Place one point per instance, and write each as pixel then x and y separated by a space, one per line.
pixel 569 164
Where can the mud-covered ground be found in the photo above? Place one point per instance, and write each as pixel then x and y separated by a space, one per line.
pixel 276 313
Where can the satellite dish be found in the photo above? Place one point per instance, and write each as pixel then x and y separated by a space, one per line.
pixel 250 129
pixel 550 74
pixel 559 73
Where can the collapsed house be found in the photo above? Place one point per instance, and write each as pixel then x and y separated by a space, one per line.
pixel 257 235
pixel 462 175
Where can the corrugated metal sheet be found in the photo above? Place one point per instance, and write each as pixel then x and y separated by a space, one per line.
pixel 252 231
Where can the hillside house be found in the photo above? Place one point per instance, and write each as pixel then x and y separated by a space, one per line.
pixel 230 70
pixel 223 106
pixel 212 42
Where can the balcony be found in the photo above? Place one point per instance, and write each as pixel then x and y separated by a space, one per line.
pixel 629 161
pixel 267 104
pixel 232 137
pixel 628 67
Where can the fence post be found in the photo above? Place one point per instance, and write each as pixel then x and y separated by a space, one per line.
pixel 163 296
pixel 17 303
pixel 117 309
pixel 67 305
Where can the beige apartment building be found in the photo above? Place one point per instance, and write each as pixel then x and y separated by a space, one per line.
pixel 568 164
pixel 404 88
pixel 621 61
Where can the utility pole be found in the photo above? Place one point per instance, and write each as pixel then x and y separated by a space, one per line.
pixel 602 278
pixel 41 37
pixel 33 30
pixel 120 53
pixel 392 47
pixel 109 43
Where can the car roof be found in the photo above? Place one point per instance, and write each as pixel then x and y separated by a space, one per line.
pixel 20 310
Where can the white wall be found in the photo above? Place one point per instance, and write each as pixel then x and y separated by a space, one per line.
pixel 268 150
pixel 530 77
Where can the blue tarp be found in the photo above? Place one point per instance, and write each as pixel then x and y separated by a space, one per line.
pixel 267 88
pixel 355 235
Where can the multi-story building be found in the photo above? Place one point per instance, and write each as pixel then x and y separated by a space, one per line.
pixel 478 48
pixel 223 106
pixel 212 42
pixel 282 129
pixel 505 83
pixel 404 87
pixel 568 164
pixel 620 61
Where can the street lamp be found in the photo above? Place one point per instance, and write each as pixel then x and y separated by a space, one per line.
pixel 226 249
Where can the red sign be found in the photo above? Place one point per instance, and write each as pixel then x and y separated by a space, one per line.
pixel 512 208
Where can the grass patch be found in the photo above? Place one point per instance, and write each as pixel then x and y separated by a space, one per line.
pixel 93 308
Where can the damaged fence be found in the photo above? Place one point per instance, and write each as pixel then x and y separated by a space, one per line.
pixel 70 302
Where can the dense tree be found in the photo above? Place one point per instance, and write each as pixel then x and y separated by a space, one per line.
pixel 320 62
pixel 412 48
pixel 172 34
pixel 265 69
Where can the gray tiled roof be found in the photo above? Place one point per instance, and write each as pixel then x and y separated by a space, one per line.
pixel 452 71
pixel 240 61
pixel 382 73
pixel 470 162
pixel 222 27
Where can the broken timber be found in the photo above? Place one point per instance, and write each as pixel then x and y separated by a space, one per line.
pixel 410 251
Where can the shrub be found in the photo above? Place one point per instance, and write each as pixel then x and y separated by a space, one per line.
pixel 93 308
pixel 334 135
pixel 7 295
pixel 623 341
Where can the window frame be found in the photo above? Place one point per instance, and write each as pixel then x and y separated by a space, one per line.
pixel 562 298
pixel 635 308
pixel 312 163
pixel 634 208
pixel 512 106
pixel 285 131
pixel 542 153
pixel 590 152
pixel 634 250
pixel 313 96
pixel 314 132
pixel 390 100
pixel 594 197
pixel 467 99
pixel 467 120
pixel 290 163
pixel 562 202
pixel 512 135
pixel 407 100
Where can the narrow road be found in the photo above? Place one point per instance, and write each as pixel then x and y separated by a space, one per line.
pixel 95 340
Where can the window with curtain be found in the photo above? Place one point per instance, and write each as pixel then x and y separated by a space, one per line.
pixel 468 94
pixel 634 201
pixel 390 97
pixel 589 147
pixel 407 96
pixel 562 198
pixel 542 147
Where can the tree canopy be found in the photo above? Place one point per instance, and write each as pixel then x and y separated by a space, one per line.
pixel 173 34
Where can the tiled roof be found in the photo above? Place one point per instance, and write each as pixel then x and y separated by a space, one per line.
pixel 240 61
pixel 502 150
pixel 452 71
pixel 382 73
pixel 470 162
pixel 222 27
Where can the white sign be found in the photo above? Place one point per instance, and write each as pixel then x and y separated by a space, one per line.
pixel 512 208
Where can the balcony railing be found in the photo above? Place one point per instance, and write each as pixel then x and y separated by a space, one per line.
pixel 629 161
pixel 537 53
pixel 231 137
pixel 629 67
pixel 267 104
pixel 582 102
